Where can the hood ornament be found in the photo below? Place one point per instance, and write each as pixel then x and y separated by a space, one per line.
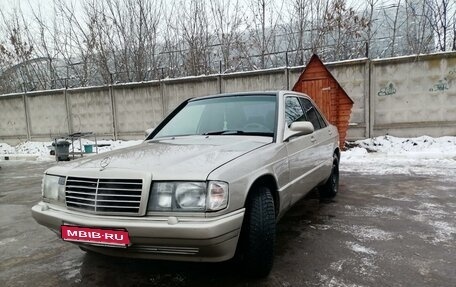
pixel 105 162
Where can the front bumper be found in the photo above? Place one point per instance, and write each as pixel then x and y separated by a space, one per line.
pixel 184 239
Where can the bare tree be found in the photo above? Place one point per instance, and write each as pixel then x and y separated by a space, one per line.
pixel 193 29
pixel 318 31
pixel 171 46
pixel 126 35
pixel 18 52
pixel 297 29
pixel 442 20
pixel 345 27
pixel 395 27
pixel 454 29
pixel 369 16
pixel 76 36
pixel 266 16
pixel 227 17
pixel 418 31
pixel 393 22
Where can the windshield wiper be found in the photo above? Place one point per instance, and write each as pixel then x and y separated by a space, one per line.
pixel 225 132
pixel 239 132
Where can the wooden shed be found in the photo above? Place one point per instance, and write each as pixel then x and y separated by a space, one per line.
pixel 318 83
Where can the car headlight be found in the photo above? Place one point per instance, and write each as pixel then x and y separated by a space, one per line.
pixel 191 195
pixel 53 187
pixel 188 196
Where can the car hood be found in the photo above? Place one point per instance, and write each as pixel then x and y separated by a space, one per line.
pixel 180 158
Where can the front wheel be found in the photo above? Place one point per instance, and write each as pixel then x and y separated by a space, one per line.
pixel 258 233
pixel 331 187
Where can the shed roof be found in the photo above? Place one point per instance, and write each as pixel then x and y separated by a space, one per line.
pixel 316 62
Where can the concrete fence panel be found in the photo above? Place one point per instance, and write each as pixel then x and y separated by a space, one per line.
pixel 415 96
pixel 352 76
pixel 137 109
pixel 13 121
pixel 179 90
pixel 293 76
pixel 254 81
pixel 48 115
pixel 91 111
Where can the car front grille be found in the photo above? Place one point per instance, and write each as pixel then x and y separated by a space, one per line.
pixel 100 195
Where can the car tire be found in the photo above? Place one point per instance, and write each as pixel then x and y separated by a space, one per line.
pixel 331 187
pixel 258 234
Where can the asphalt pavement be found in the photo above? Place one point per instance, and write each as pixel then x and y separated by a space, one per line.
pixel 381 230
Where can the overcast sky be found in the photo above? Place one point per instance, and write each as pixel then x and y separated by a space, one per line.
pixel 46 6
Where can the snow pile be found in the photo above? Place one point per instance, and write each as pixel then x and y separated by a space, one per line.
pixel 31 150
pixel 6 149
pixel 422 147
pixel 34 148
pixel 103 145
pixel 392 155
pixel 41 150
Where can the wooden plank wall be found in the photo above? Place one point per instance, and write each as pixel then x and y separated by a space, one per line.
pixel 318 83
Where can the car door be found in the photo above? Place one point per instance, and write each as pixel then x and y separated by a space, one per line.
pixel 300 151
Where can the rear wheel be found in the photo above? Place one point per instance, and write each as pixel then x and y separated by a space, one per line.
pixel 331 187
pixel 258 233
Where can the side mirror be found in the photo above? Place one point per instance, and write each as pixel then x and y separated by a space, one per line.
pixel 298 129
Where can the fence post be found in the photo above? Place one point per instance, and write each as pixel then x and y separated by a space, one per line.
pixel 113 107
pixel 287 72
pixel 68 111
pixel 27 116
pixel 369 100
pixel 219 78
pixel 162 97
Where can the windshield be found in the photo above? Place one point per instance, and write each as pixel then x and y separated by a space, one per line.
pixel 242 115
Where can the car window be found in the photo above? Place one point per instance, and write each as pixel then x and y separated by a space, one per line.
pixel 224 115
pixel 312 114
pixel 188 120
pixel 293 110
pixel 320 119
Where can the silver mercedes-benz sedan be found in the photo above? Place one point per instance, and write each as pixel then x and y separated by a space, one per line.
pixel 208 183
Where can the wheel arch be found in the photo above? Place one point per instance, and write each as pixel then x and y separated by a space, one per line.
pixel 269 181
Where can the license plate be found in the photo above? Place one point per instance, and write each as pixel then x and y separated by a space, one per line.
pixel 102 236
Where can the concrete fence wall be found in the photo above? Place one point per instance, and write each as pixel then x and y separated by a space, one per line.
pixel 407 96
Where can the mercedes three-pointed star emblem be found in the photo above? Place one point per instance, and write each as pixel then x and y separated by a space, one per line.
pixel 105 162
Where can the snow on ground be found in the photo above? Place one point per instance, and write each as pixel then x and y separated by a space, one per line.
pixel 392 155
pixel 381 155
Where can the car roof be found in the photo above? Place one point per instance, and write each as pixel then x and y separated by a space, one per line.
pixel 251 93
